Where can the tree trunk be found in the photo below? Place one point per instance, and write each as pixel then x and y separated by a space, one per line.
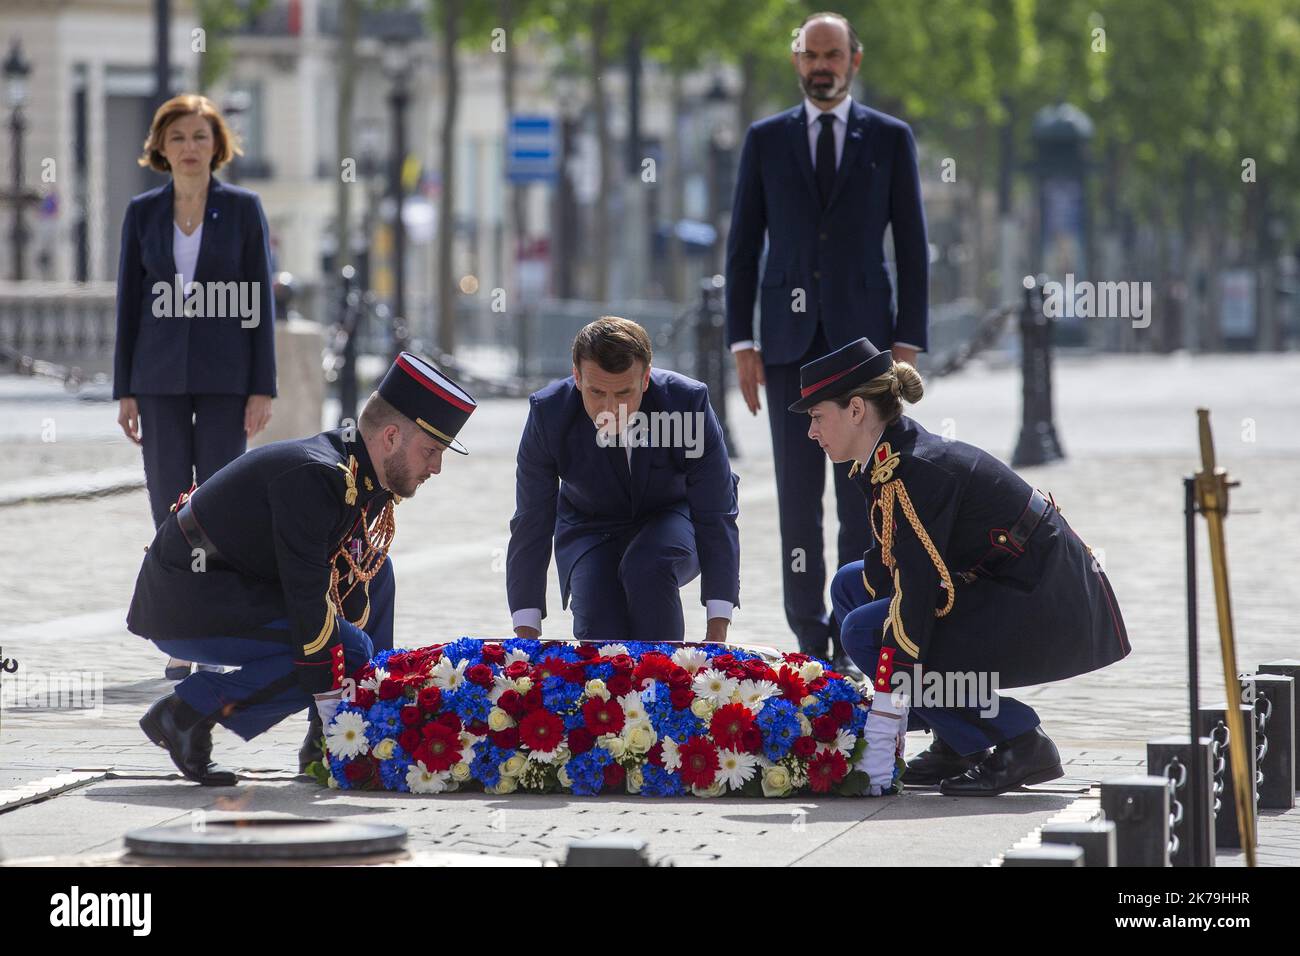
pixel 348 28
pixel 677 198
pixel 447 203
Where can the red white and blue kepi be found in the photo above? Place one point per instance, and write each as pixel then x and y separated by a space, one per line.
pixel 428 397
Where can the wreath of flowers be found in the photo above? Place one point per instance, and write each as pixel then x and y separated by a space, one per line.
pixel 659 720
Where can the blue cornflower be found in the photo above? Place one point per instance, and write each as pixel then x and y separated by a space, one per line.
pixel 486 765
pixel 469 702
pixel 658 782
pixel 385 717
pixel 780 726
pixel 559 696
pixel 464 649
pixel 587 771
pixel 525 645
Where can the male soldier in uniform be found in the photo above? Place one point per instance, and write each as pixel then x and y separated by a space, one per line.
pixel 278 566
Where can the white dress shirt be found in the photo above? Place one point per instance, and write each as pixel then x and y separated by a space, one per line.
pixel 840 129
pixel 532 616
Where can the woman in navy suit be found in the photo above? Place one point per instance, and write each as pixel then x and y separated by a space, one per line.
pixel 194 364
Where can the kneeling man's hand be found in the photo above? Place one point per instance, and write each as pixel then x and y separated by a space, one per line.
pixel 716 631
pixel 529 633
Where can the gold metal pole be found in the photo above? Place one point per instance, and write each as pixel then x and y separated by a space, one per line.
pixel 1212 486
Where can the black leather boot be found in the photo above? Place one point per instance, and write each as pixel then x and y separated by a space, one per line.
pixel 187 738
pixel 939 762
pixel 311 749
pixel 1018 762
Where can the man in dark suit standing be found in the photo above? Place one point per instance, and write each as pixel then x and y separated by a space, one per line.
pixel 821 181
pixel 625 466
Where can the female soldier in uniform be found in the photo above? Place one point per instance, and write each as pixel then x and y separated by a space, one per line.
pixel 973 576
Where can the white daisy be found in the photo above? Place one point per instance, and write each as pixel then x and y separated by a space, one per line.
pixel 423 780
pixel 736 768
pixel 690 658
pixel 715 686
pixel 613 650
pixel 372 683
pixel 752 693
pixel 448 676
pixel 560 755
pixel 347 735
pixel 500 684
pixel 843 742
pixel 634 712
pixel 671 757
pixel 512 656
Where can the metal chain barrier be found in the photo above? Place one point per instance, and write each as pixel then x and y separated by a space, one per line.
pixel 1219 764
pixel 1176 773
pixel 986 334
pixel 1263 711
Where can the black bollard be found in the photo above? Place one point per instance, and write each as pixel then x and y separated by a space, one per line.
pixel 1274 698
pixel 712 357
pixel 1139 808
pixel 1191 840
pixel 1048 855
pixel 1096 840
pixel 1287 668
pixel 1214 725
pixel 1038 443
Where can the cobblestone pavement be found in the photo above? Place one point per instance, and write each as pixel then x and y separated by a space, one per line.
pixel 1127 424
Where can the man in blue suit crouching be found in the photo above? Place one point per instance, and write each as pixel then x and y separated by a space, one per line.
pixel 625 466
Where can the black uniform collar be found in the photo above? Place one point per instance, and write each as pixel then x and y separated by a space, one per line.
pixel 366 478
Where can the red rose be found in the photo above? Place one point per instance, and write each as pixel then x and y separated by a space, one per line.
pixel 493 653
pixel 757 670
pixel 805 747
pixel 722 661
pixel 448 719
pixel 478 728
pixel 410 716
pixel 511 703
pixel 410 739
pixel 581 740
pixel 752 740
pixel 699 762
pixel 575 673
pixel 622 663
pixel 507 739
pixel 389 689
pixel 440 750
pixel 588 652
pixel 679 677
pixel 430 699
pixel 533 699
pixel 614 775
pixel 826 770
pixel 816 685
pixel 842 711
pixel 603 716
pixel 363 768
pixel 619 684
pixel 516 670
pixel 825 728
pixel 655 755
pixel 479 674
pixel 541 730
pixel 729 724
pixel 365 698
pixel 681 697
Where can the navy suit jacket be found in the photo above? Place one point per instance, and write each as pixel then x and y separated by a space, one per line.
pixel 836 256
pixel 201 355
pixel 569 487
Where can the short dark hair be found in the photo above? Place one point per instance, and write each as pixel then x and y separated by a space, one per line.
pixel 854 43
pixel 613 343
pixel 225 143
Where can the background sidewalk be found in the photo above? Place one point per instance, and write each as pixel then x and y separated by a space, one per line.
pixel 1126 422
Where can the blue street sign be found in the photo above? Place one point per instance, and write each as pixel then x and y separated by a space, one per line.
pixel 531 150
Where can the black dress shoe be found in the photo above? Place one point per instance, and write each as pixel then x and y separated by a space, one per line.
pixel 188 744
pixel 1018 762
pixel 939 762
pixel 310 752
pixel 843 665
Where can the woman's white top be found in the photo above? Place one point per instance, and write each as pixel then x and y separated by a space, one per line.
pixel 185 251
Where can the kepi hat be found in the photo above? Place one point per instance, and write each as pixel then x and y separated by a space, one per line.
pixel 840 372
pixel 429 398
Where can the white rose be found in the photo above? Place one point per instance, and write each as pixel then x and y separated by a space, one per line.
pixel 776 781
pixel 460 771
pixel 615 745
pixel 811 671
pixel 498 719
pixel 596 688
pixel 713 790
pixel 702 708
pixel 384 749
pixel 635 778
pixel 524 685
pixel 505 785
pixel 564 778
pixel 332 784
pixel 514 766
pixel 808 701
pixel 640 738
pixel 805 725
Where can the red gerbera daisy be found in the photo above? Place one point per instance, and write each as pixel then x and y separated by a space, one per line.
pixel 729 725
pixel 826 770
pixel 792 686
pixel 603 716
pixel 441 748
pixel 699 762
pixel 541 730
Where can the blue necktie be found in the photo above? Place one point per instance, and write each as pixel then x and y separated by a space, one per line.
pixel 826 158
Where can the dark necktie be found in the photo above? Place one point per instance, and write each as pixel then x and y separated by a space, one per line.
pixel 826 158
